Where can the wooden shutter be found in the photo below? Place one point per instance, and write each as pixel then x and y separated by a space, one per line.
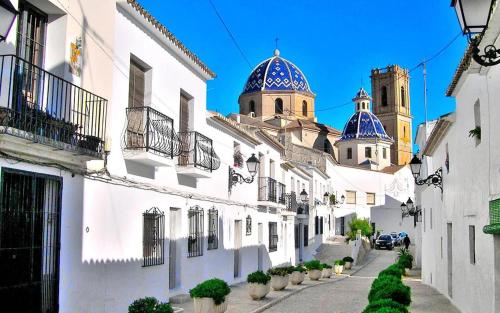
pixel 136 86
pixel 184 114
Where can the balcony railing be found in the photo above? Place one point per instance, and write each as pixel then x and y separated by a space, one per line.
pixel 267 189
pixel 197 150
pixel 281 193
pixel 44 108
pixel 291 202
pixel 152 131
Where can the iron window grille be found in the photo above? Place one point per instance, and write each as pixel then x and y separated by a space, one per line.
pixel 249 225
pixel 213 229
pixel 306 235
pixel 273 236
pixel 153 237
pixel 321 222
pixel 267 189
pixel 316 225
pixel 281 193
pixel 195 238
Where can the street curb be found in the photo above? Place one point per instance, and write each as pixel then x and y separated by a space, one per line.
pixel 276 301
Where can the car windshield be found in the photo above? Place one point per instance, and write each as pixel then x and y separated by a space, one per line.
pixel 394 235
pixel 384 237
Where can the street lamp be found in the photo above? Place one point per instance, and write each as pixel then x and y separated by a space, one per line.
pixel 326 198
pixel 474 16
pixel 252 166
pixel 409 209
pixel 303 196
pixel 7 17
pixel 435 179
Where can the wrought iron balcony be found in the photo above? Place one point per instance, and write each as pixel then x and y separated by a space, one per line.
pixel 197 150
pixel 44 108
pixel 291 202
pixel 151 131
pixel 267 189
pixel 281 193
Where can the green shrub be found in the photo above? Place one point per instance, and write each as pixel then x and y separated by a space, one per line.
pixel 391 289
pixel 278 271
pixel 258 277
pixel 313 265
pixel 348 259
pixel 394 270
pixel 149 305
pixel 359 224
pixel 299 268
pixel 377 306
pixel 214 288
pixel 324 265
pixel 406 261
pixel 340 262
pixel 388 310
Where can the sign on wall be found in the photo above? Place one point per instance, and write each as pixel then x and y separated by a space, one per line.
pixel 75 60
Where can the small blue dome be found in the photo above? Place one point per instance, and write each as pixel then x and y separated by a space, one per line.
pixel 364 125
pixel 276 74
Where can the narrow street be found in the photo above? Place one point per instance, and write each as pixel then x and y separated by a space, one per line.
pixel 350 295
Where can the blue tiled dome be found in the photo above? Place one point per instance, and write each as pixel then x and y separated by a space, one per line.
pixel 276 73
pixel 364 125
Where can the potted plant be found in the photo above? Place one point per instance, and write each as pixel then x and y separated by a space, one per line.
pixel 210 296
pixel 297 274
pixel 348 262
pixel 258 285
pixel 279 277
pixel 405 260
pixel 152 305
pixel 326 271
pixel 339 266
pixel 314 269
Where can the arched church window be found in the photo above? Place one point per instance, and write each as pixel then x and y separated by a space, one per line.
pixel 384 96
pixel 278 106
pixel 403 97
pixel 304 108
pixel 251 106
pixel 358 106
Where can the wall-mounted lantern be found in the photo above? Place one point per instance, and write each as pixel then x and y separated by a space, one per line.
pixel 435 179
pixel 252 166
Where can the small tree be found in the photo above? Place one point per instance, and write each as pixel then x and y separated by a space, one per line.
pixel 359 224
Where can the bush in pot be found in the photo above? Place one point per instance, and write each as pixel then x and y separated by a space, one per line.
pixel 339 266
pixel 348 262
pixel 327 270
pixel 297 275
pixel 210 296
pixel 314 269
pixel 390 288
pixel 385 305
pixel 394 270
pixel 405 260
pixel 258 284
pixel 279 277
pixel 149 305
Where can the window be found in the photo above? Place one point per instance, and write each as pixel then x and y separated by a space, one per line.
pixel 358 106
pixel 321 222
pixel 213 229
pixel 350 197
pixel 404 132
pixel 316 225
pixel 477 121
pixel 304 108
pixel 195 238
pixel 368 152
pixel 297 236
pixel 403 97
pixel 370 198
pixel 384 96
pixel 251 106
pixel 249 225
pixel 349 153
pixel 278 106
pixel 384 153
pixel 153 237
pixel 306 235
pixel 273 236
pixel 472 244
pixel 32 25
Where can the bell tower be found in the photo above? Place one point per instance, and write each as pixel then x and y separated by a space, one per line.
pixel 391 104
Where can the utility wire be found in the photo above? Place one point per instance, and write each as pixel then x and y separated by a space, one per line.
pixel 230 33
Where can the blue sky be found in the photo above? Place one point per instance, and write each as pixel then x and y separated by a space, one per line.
pixel 335 43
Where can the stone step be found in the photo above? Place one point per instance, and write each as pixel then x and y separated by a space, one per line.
pixel 180 298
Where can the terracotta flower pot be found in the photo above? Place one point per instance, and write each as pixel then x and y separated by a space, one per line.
pixel 296 278
pixel 258 291
pixel 339 269
pixel 314 274
pixel 207 305
pixel 279 282
pixel 327 272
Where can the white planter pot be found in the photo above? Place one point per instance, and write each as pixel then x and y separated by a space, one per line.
pixel 327 272
pixel 279 282
pixel 407 271
pixel 339 269
pixel 177 310
pixel 296 278
pixel 314 274
pixel 258 291
pixel 348 265
pixel 207 305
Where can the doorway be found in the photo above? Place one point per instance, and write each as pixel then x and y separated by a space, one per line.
pixel 173 255
pixel 301 241
pixel 260 252
pixel 237 247
pixel 449 230
pixel 30 241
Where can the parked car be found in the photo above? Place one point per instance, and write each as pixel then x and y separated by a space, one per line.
pixel 401 236
pixel 384 241
pixel 395 239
